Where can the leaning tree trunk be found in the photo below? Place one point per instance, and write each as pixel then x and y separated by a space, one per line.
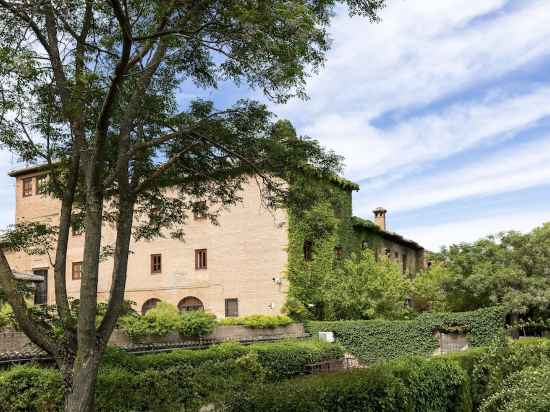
pixel 81 382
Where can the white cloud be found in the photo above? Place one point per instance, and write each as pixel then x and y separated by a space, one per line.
pixel 432 237
pixel 506 170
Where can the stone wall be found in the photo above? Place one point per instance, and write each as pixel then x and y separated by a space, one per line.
pixel 17 342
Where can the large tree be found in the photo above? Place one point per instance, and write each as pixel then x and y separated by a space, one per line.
pixel 511 269
pixel 92 89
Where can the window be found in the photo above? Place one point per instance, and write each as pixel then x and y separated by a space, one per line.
pixel 308 245
pixel 365 244
pixel 27 187
pixel 200 259
pixel 200 211
pixel 190 304
pixel 231 308
pixel 388 252
pixel 156 263
pixel 149 304
pixel 396 255
pixel 41 291
pixel 77 270
pixel 404 263
pixel 339 252
pixel 41 184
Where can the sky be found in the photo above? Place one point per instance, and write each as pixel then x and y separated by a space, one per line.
pixel 441 110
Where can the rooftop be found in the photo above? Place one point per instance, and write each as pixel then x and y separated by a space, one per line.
pixel 369 225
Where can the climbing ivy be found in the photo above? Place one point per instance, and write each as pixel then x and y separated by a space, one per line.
pixel 320 214
pixel 377 340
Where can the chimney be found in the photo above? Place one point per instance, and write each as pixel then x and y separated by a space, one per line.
pixel 380 217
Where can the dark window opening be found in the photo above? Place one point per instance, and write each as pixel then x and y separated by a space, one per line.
pixel 190 304
pixel 200 259
pixel 365 244
pixel 405 263
pixel 156 263
pixel 41 291
pixel 308 246
pixel 339 252
pixel 149 304
pixel 27 187
pixel 231 308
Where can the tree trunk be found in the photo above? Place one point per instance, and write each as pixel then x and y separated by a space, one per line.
pixel 80 385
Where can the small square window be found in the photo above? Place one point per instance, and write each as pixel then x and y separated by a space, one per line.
pixel 77 270
pixel 365 244
pixel 41 184
pixel 27 187
pixel 231 308
pixel 200 259
pixel 156 263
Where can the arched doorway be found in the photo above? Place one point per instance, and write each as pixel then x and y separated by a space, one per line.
pixel 149 304
pixel 190 303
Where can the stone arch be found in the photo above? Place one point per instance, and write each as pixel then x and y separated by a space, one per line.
pixel 149 304
pixel 190 303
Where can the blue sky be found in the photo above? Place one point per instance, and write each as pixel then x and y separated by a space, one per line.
pixel 442 112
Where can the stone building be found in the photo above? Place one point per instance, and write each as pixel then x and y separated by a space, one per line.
pixel 235 268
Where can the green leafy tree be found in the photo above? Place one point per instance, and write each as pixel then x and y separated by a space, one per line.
pixel 428 289
pixel 89 87
pixel 511 269
pixel 366 288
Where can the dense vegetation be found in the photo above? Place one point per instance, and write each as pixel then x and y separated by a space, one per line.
pixel 167 381
pixel 379 340
pixel 511 269
pixel 495 379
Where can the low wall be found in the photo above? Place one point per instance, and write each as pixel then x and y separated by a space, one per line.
pixel 17 342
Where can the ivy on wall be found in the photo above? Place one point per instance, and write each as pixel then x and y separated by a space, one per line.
pixel 378 340
pixel 321 215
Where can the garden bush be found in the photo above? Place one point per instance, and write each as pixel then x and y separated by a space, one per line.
pixel 415 384
pixel 258 321
pixel 164 319
pixel 379 340
pixel 282 359
pixel 178 380
pixel 525 391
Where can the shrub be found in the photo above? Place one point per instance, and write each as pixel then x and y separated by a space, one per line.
pixel 525 391
pixel 378 340
pixel 164 319
pixel 31 388
pixel 409 385
pixel 258 321
pixel 178 380
pixel 497 364
pixel 196 323
pixel 280 360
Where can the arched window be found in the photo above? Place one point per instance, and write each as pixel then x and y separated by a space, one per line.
pixel 190 303
pixel 149 304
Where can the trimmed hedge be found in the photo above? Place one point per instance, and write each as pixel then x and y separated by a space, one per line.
pixel 258 321
pixel 415 384
pixel 178 380
pixel 379 340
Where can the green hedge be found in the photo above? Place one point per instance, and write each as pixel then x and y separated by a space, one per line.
pixel 257 321
pixel 378 340
pixel 416 384
pixel 177 380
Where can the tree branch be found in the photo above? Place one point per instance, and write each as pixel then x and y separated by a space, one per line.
pixel 34 330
